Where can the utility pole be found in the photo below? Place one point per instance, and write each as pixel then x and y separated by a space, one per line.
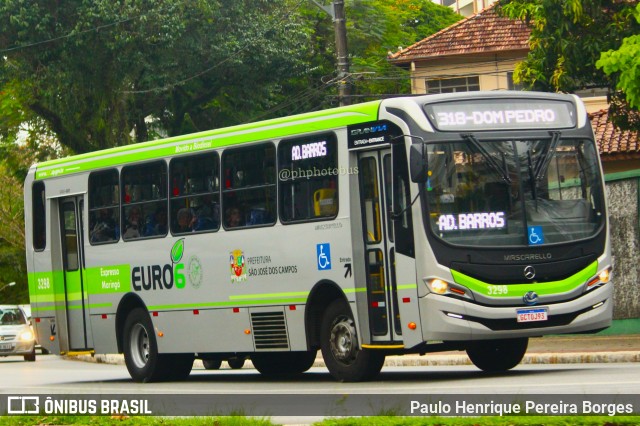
pixel 340 27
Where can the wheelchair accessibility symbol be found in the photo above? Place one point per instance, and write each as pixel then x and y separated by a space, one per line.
pixel 535 235
pixel 323 253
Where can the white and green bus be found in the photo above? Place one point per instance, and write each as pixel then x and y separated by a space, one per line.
pixel 409 225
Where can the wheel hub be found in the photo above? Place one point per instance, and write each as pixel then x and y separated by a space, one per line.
pixel 344 341
pixel 139 345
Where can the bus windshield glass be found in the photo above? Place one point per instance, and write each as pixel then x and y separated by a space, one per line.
pixel 520 192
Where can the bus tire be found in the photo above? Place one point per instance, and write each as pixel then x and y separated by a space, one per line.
pixel 236 363
pixel 341 350
pixel 181 365
pixel 495 356
pixel 141 355
pixel 283 363
pixel 31 357
pixel 212 364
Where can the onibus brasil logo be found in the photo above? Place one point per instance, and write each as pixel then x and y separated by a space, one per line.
pixel 169 275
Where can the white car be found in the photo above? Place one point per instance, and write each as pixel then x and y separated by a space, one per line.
pixel 16 336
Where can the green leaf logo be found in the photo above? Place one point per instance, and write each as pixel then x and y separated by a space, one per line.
pixel 177 250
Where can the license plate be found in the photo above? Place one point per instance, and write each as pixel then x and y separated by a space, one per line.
pixel 532 315
pixel 6 346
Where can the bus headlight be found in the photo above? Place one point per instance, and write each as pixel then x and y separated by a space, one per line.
pixel 442 287
pixel 602 278
pixel 438 286
pixel 26 336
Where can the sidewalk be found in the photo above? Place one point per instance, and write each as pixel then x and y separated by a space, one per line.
pixel 573 349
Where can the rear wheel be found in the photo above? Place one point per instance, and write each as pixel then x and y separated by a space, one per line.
pixel 497 355
pixel 141 355
pixel 236 363
pixel 341 349
pixel 283 363
pixel 212 364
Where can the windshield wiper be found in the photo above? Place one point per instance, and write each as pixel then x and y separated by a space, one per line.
pixel 545 157
pixel 492 162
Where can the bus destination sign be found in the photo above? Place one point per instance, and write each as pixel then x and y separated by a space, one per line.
pixel 501 114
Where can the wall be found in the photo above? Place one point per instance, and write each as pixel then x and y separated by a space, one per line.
pixel 492 70
pixel 622 197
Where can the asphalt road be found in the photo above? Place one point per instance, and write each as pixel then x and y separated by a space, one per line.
pixel 52 374
pixel 249 393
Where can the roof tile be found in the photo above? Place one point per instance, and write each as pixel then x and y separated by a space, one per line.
pixel 484 32
pixel 613 142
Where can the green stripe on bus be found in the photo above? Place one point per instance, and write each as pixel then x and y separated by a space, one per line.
pixel 407 286
pixel 518 290
pixel 63 307
pixel 223 304
pixel 261 131
pixel 268 295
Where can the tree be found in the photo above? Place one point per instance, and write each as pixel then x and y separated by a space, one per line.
pixel 567 39
pixel 376 28
pixel 95 71
pixel 625 61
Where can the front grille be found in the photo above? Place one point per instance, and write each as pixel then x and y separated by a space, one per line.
pixel 269 330
pixel 7 338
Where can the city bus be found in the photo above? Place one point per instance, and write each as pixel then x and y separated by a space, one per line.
pixel 409 225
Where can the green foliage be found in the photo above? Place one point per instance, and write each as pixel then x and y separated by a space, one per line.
pixel 94 71
pixel 625 61
pixel 377 28
pixel 566 40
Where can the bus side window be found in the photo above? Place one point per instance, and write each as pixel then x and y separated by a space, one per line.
pixel 249 191
pixel 308 178
pixel 39 216
pixel 104 207
pixel 144 198
pixel 195 193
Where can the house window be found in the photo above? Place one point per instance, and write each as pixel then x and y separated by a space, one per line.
pixel 452 85
pixel 511 84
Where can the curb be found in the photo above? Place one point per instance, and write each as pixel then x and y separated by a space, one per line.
pixel 437 360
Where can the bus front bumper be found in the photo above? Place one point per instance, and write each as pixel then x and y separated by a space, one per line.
pixel 450 319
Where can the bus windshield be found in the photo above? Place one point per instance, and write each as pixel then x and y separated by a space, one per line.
pixel 514 192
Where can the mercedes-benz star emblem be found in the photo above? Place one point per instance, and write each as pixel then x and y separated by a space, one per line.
pixel 530 298
pixel 529 272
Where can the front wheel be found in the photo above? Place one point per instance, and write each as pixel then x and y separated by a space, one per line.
pixel 341 350
pixel 497 355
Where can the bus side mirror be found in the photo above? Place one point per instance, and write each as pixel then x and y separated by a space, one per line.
pixel 418 163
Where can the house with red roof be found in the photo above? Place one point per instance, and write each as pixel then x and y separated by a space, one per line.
pixel 480 52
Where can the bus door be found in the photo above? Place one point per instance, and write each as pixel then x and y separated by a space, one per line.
pixel 374 170
pixel 72 233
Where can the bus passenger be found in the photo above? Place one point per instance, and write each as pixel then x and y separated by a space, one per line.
pixel 133 224
pixel 157 223
pixel 233 218
pixel 105 228
pixel 184 219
